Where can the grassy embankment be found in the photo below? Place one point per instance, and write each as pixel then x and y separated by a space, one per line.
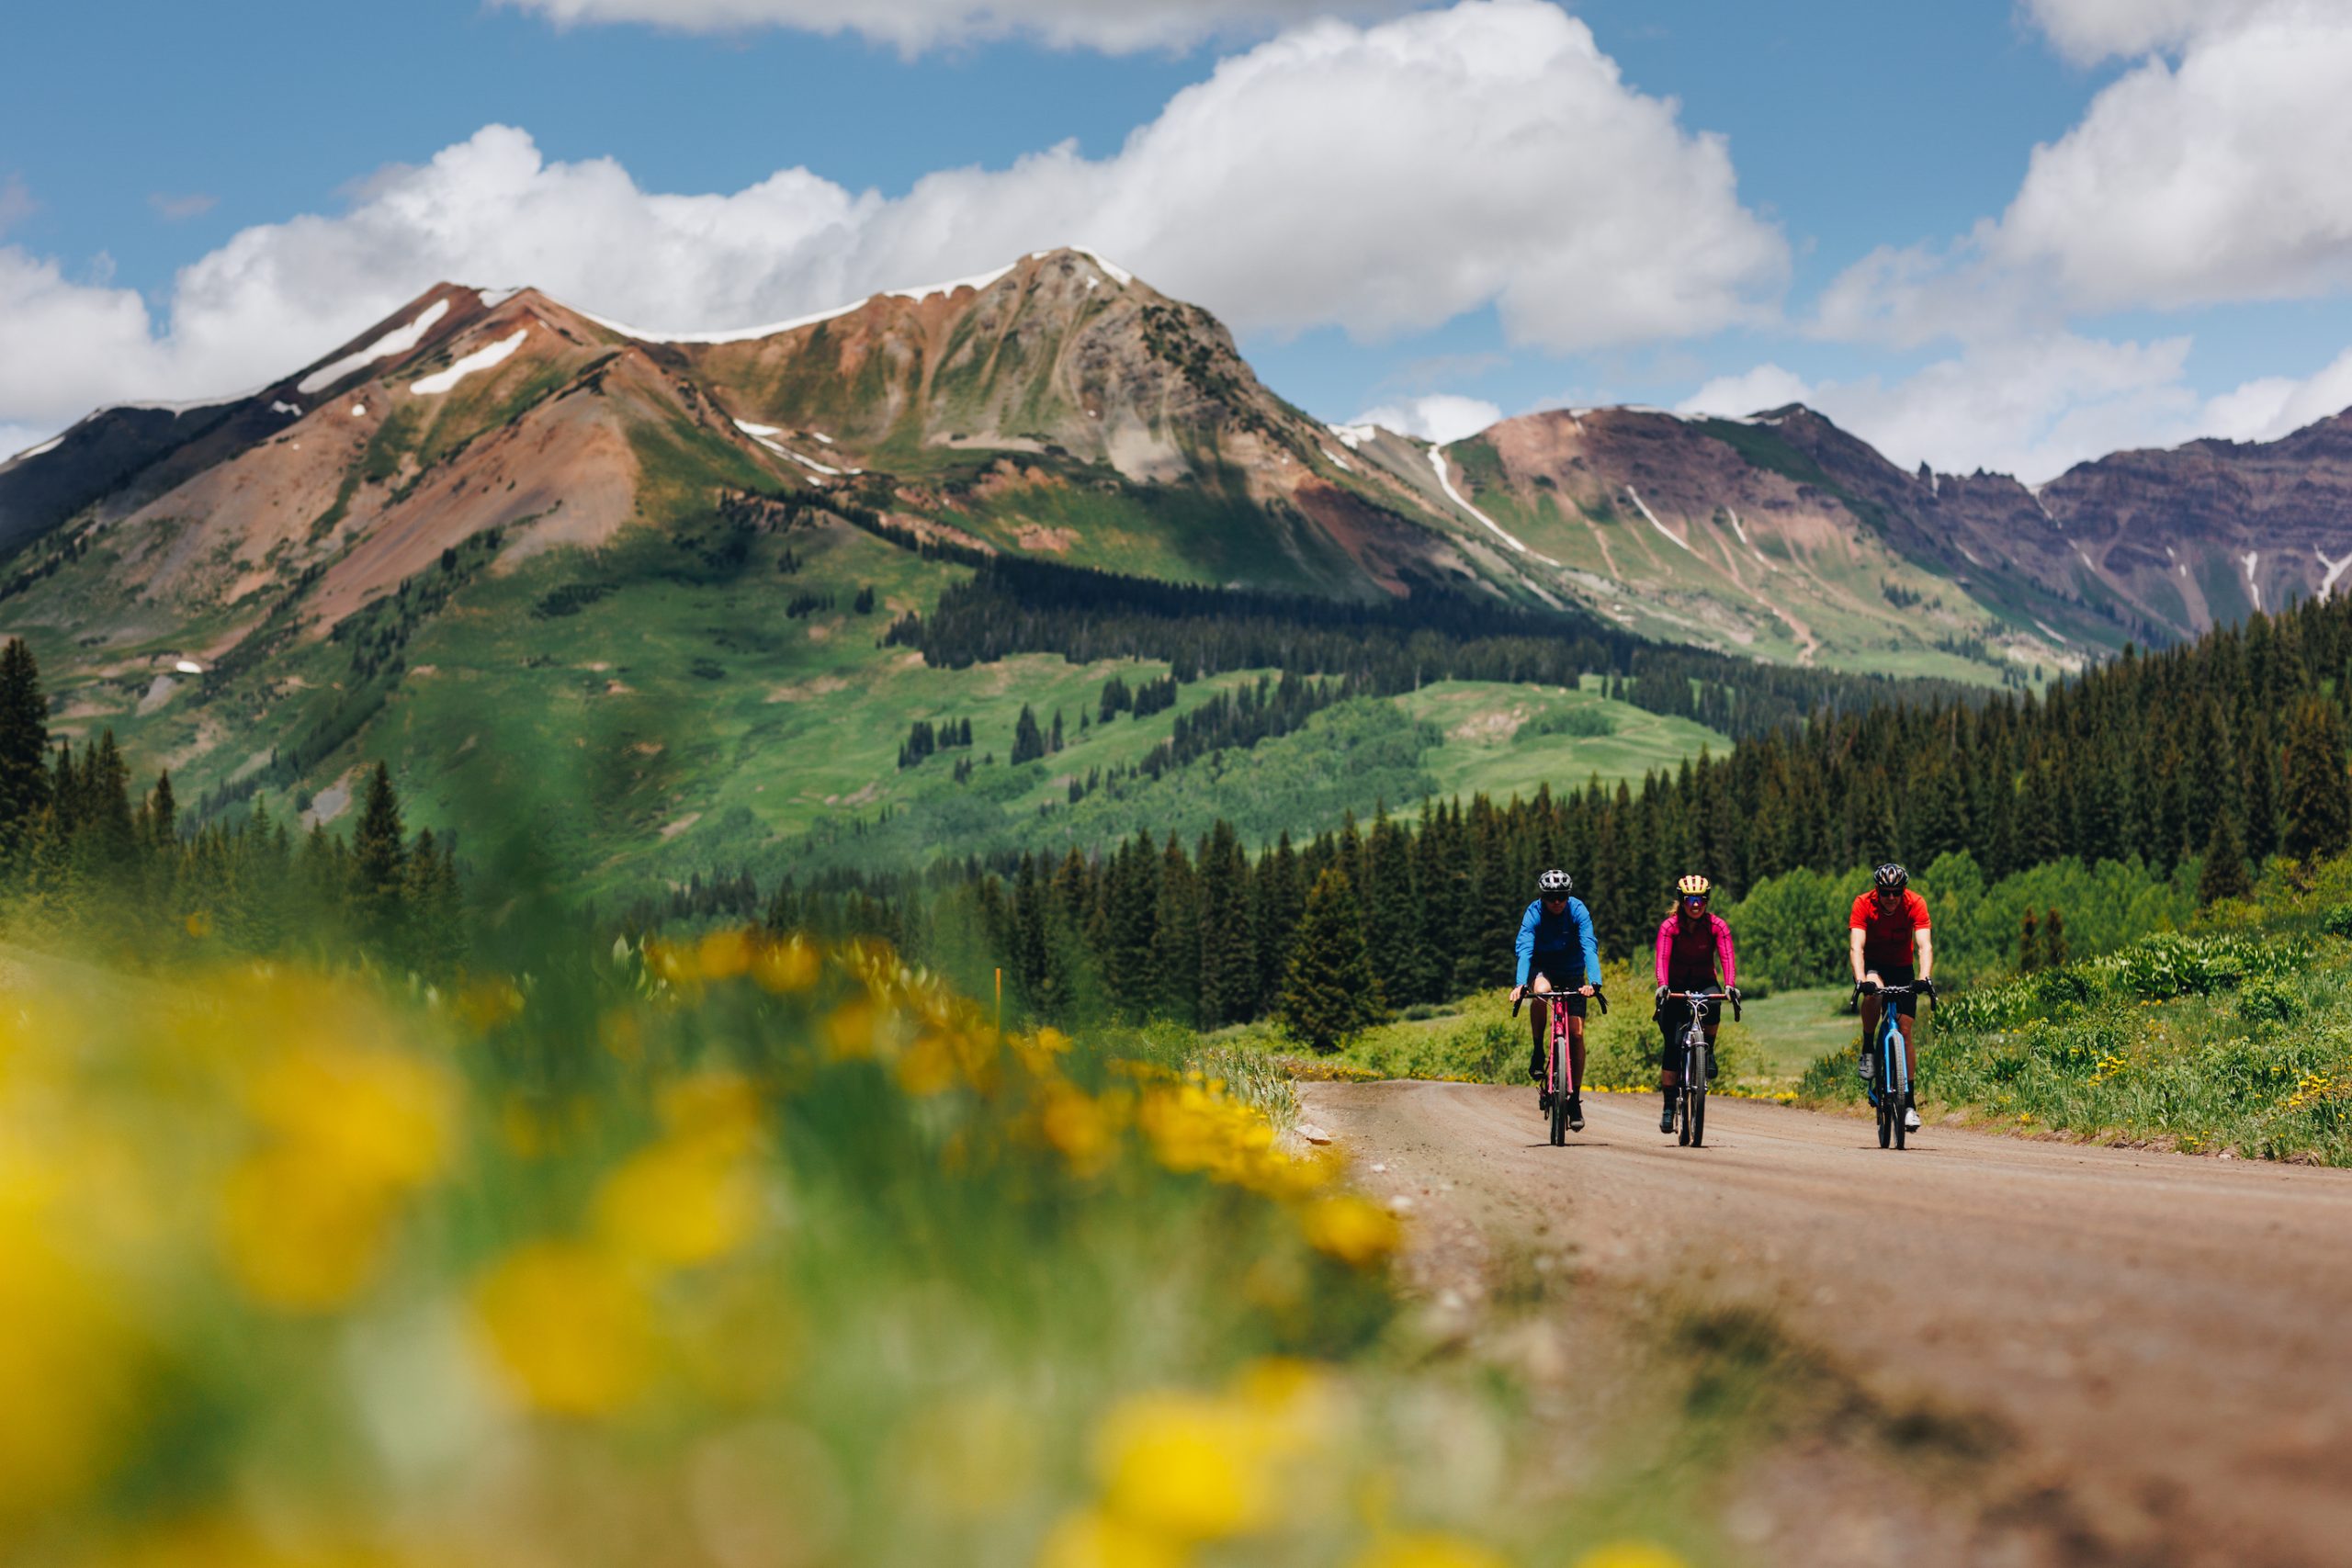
pixel 736 1253
pixel 2235 1036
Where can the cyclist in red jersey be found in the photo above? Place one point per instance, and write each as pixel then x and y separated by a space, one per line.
pixel 1889 945
pixel 1694 953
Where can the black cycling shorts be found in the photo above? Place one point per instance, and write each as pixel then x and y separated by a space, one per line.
pixel 1905 1007
pixel 1565 971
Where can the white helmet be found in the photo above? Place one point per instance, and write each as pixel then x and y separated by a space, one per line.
pixel 1555 881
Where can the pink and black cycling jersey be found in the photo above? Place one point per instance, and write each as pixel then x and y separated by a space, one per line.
pixel 1691 954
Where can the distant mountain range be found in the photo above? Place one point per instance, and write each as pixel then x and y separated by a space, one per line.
pixel 297 555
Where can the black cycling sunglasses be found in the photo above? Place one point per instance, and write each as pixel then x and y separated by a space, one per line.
pixel 1555 898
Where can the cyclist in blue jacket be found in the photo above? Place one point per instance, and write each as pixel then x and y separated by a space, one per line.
pixel 1558 951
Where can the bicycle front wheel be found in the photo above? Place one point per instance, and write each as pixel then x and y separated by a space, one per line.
pixel 1886 1119
pixel 1559 1099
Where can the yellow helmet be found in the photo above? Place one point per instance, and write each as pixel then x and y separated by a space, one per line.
pixel 1693 886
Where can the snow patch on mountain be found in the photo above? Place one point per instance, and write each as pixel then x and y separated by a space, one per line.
pixel 1653 522
pixel 479 359
pixel 1741 530
pixel 2251 560
pixel 400 340
pixel 1352 437
pixel 1445 483
pixel 2335 569
pixel 50 445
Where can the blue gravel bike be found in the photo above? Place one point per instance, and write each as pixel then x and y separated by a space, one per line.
pixel 1886 1072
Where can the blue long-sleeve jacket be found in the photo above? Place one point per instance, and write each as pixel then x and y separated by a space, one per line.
pixel 1541 931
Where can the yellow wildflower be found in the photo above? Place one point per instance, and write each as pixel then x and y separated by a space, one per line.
pixel 1076 1123
pixel 368 1116
pixel 1090 1538
pixel 722 1110
pixel 1187 1466
pixel 851 1029
pixel 678 1203
pixel 569 1329
pixel 1352 1229
pixel 68 1373
pixel 785 967
pixel 724 956
pixel 929 1067
pixel 299 1235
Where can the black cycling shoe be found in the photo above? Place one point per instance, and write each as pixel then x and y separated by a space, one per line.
pixel 1666 1120
pixel 1543 1103
pixel 1576 1113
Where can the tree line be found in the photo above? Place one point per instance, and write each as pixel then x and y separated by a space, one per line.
pixel 87 864
pixel 2220 753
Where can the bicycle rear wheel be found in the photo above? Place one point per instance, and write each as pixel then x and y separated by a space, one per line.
pixel 1885 1120
pixel 1894 1117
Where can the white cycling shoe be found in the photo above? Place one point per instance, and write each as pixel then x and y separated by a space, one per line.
pixel 1910 1121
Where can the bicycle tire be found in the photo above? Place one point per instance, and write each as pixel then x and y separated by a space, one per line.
pixel 1682 1122
pixel 1899 1134
pixel 1559 1096
pixel 1885 1132
pixel 1699 1118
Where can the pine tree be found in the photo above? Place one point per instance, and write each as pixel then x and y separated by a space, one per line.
pixel 1055 744
pixel 24 745
pixel 1176 944
pixel 1392 916
pixel 1281 905
pixel 2224 873
pixel 2315 800
pixel 2261 789
pixel 2053 940
pixel 1329 994
pixel 163 815
pixel 1028 740
pixel 1228 933
pixel 2029 944
pixel 378 863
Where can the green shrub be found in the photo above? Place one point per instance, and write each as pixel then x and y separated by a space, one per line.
pixel 2268 999
pixel 2337 921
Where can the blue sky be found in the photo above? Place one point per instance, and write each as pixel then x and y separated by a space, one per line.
pixel 191 198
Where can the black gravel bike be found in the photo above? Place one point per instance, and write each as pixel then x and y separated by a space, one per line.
pixel 1697 1065
pixel 1557 1075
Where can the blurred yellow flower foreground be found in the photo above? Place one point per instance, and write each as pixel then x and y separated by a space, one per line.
pixel 737 1252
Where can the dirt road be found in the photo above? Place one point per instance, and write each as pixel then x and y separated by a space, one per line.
pixel 2164 1342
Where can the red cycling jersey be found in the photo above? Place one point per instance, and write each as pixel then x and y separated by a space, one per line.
pixel 1888 941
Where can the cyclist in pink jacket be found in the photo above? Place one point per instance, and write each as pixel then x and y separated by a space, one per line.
pixel 1694 953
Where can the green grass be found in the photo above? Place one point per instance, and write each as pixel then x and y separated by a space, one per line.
pixel 1792 1030
pixel 1496 739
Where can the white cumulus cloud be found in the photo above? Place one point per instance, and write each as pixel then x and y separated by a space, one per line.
pixel 1441 417
pixel 1750 391
pixel 1384 179
pixel 1116 26
pixel 2216 176
pixel 2088 31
